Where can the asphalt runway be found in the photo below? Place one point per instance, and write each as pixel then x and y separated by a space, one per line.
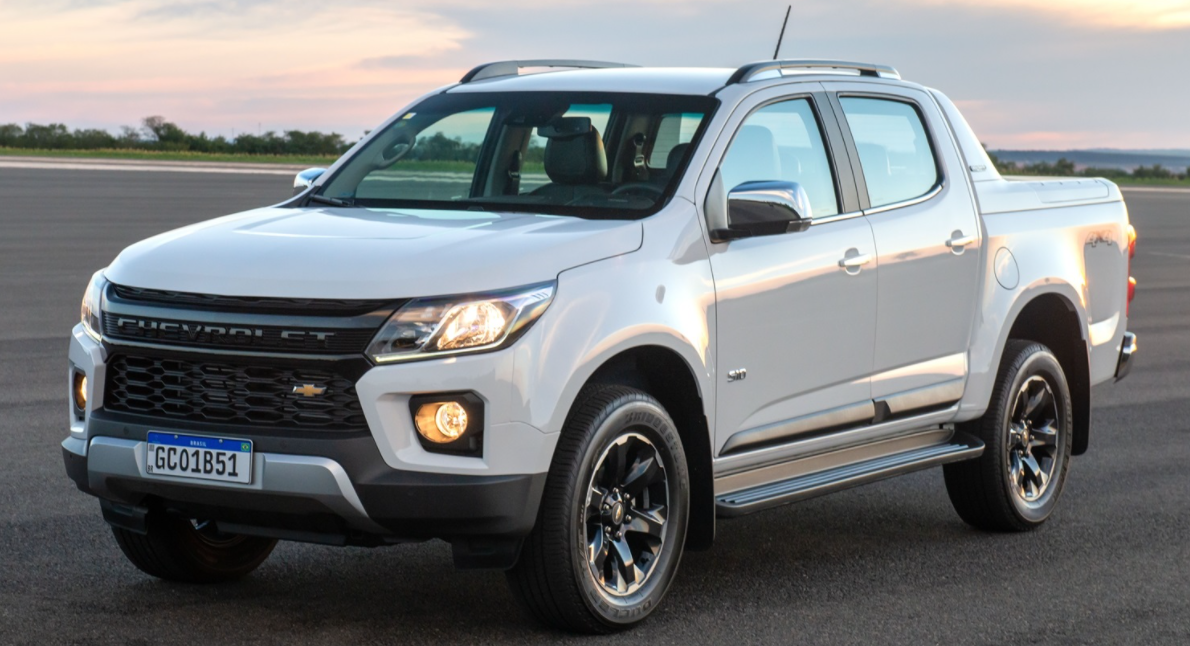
pixel 889 563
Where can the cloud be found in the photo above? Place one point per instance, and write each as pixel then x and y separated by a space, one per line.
pixel 1134 14
pixel 113 62
pixel 1018 67
pixel 394 62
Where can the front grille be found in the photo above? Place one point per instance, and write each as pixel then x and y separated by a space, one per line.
pixel 250 337
pixel 251 304
pixel 223 393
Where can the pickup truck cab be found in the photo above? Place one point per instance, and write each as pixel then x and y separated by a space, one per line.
pixel 567 320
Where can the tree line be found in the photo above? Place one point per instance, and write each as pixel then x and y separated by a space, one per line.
pixel 1066 168
pixel 439 147
pixel 157 134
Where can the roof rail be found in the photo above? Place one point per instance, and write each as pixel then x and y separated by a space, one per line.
pixel 749 71
pixel 513 68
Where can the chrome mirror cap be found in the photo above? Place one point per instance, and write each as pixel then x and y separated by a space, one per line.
pixel 306 179
pixel 768 201
pixel 762 208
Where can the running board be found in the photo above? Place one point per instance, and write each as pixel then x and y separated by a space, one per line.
pixel 746 501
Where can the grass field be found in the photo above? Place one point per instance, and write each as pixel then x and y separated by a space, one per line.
pixel 1177 183
pixel 300 160
pixel 152 155
pixel 316 160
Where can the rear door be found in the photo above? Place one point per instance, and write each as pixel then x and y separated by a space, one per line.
pixel 915 195
pixel 795 328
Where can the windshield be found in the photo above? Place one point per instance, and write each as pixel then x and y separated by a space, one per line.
pixel 589 154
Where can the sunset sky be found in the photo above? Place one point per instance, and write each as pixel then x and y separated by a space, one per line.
pixel 1028 73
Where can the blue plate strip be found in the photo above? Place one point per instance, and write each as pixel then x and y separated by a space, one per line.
pixel 192 442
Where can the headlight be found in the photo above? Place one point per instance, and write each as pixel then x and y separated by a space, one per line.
pixel 92 310
pixel 427 327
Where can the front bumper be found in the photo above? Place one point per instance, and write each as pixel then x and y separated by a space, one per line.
pixel 340 493
pixel 363 487
pixel 1127 351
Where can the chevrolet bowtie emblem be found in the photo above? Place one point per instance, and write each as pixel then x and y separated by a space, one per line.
pixel 309 390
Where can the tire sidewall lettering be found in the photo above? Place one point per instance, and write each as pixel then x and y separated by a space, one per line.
pixel 640 418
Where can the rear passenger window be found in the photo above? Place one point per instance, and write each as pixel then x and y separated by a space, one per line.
pixel 533 174
pixel 894 150
pixel 782 141
pixel 673 131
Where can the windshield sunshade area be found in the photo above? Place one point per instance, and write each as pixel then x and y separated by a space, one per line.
pixel 588 154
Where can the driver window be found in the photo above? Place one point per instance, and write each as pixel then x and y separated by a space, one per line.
pixel 782 141
pixel 441 164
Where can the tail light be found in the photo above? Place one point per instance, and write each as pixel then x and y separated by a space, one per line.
pixel 1131 280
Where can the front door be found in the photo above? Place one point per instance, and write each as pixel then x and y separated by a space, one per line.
pixel 796 312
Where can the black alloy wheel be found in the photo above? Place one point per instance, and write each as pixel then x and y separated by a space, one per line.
pixel 1027 429
pixel 627 506
pixel 612 521
pixel 1032 445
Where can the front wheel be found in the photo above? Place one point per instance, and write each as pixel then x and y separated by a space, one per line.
pixel 613 519
pixel 1015 484
pixel 189 551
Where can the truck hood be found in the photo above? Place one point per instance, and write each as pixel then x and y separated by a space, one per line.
pixel 368 253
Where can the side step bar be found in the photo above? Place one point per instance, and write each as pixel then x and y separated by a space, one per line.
pixel 746 501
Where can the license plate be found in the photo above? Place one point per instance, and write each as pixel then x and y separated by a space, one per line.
pixel 205 458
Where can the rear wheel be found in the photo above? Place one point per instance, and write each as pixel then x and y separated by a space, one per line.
pixel 189 551
pixel 613 519
pixel 1015 484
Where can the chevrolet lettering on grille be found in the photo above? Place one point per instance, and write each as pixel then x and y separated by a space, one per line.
pixel 215 333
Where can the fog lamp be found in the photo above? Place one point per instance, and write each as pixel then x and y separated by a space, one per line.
pixel 441 422
pixel 449 422
pixel 80 391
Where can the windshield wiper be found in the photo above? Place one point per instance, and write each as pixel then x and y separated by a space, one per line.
pixel 322 199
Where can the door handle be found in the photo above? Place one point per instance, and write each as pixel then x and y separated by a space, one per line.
pixel 958 241
pixel 856 261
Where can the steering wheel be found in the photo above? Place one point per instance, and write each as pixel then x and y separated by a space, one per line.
pixel 639 189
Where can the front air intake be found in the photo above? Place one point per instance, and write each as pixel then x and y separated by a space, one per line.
pixel 214 392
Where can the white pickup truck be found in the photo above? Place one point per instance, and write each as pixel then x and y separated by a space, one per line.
pixel 566 320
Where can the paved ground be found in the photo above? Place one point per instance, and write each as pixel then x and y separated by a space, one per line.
pixel 149 165
pixel 889 563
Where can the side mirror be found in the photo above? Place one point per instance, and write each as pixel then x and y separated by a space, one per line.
pixel 764 208
pixel 306 179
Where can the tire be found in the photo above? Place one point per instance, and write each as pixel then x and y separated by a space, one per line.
pixel 177 549
pixel 571 574
pixel 1015 484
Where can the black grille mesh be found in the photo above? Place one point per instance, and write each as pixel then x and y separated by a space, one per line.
pixel 221 393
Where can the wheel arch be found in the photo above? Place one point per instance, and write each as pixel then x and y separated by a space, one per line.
pixel 664 374
pixel 1053 319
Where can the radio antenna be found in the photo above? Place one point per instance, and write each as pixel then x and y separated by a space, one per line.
pixel 782 36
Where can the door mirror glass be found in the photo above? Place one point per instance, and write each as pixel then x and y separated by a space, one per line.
pixel 769 207
pixel 306 179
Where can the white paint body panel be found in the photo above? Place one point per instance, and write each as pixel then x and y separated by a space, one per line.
pixel 1031 194
pixel 367 253
pixel 1054 255
pixel 811 337
pixel 802 327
